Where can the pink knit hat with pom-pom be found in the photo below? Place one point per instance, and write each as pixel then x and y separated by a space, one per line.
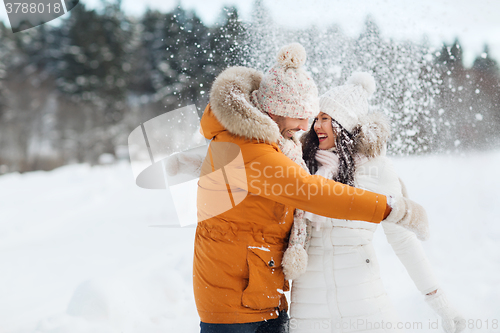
pixel 286 89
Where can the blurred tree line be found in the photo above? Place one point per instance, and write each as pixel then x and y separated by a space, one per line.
pixel 73 92
pixel 469 98
pixel 433 102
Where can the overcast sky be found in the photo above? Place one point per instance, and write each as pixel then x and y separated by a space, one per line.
pixel 474 22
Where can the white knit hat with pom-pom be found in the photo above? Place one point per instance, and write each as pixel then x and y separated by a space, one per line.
pixel 348 102
pixel 286 89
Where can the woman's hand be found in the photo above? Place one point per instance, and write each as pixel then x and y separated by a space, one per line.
pixel 452 321
pixel 410 215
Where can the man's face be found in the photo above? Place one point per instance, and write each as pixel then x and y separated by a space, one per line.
pixel 288 126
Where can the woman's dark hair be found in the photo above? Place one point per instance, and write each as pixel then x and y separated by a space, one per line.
pixel 344 146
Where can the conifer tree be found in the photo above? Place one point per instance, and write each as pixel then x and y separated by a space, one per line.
pixel 5 51
pixel 94 65
pixel 228 38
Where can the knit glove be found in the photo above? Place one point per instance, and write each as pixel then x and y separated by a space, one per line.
pixel 452 321
pixel 410 215
pixel 188 163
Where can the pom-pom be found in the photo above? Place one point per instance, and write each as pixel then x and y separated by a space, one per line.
pixel 294 262
pixel 292 55
pixel 365 80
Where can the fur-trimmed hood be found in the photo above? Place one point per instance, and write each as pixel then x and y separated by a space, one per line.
pixel 231 105
pixel 373 132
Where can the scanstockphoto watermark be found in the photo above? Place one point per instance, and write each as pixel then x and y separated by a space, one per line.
pixel 264 180
pixel 369 325
pixel 26 14
pixel 217 176
pixel 360 324
pixel 483 324
pixel 150 145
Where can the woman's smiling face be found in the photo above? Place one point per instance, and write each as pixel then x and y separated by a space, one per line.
pixel 324 131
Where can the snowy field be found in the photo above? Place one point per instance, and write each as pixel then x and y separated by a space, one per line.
pixel 82 249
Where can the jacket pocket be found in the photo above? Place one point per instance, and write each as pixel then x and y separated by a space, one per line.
pixel 266 281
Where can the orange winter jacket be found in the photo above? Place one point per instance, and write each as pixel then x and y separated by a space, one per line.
pixel 247 193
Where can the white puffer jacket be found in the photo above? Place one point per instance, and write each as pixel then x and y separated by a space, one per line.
pixel 341 291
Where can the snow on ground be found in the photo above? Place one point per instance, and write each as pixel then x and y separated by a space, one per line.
pixel 80 252
pixel 83 249
pixel 460 194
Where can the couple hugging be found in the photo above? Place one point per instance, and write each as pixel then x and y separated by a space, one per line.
pixel 321 240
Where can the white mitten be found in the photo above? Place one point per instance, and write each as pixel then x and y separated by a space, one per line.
pixel 452 321
pixel 188 163
pixel 409 214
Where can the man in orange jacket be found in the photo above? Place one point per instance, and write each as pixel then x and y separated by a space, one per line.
pixel 252 183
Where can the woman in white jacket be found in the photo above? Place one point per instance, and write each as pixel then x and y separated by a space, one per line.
pixel 341 289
